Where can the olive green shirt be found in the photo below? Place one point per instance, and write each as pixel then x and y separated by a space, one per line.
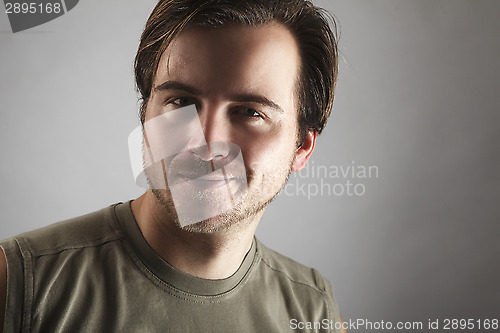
pixel 97 273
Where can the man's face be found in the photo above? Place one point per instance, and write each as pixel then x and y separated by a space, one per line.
pixel 242 81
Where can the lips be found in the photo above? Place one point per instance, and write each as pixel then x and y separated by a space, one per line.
pixel 211 177
pixel 203 184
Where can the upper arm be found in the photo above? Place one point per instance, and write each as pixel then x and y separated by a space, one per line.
pixel 3 287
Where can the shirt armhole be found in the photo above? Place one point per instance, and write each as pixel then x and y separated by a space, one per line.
pixel 326 287
pixel 15 307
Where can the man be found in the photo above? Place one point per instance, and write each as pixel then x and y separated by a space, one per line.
pixel 256 79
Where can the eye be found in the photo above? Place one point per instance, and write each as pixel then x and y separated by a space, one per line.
pixel 181 101
pixel 248 112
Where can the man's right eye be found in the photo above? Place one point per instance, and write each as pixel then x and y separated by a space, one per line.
pixel 181 101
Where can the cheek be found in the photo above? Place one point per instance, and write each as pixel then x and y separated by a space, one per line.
pixel 268 153
pixel 152 109
pixel 150 112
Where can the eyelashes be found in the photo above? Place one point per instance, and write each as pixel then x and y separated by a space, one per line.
pixel 240 111
pixel 181 101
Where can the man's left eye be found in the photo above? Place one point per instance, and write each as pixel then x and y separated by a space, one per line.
pixel 249 112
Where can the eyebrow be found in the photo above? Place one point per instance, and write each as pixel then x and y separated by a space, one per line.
pixel 250 98
pixel 177 86
pixel 240 98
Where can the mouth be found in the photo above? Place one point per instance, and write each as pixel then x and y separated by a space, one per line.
pixel 211 180
pixel 189 170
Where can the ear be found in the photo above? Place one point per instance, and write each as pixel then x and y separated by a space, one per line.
pixel 304 152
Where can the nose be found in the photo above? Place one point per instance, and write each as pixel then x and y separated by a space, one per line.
pixel 212 151
pixel 216 130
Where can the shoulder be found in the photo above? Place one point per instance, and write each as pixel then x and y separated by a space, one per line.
pixel 301 287
pixel 47 263
pixel 291 270
pixel 83 231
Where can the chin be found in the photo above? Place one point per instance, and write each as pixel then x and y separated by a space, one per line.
pixel 209 226
pixel 206 214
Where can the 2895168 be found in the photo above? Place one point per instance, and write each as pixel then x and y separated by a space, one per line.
pixel 32 8
pixel 470 324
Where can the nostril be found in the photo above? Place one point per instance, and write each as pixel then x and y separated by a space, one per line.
pixel 212 151
pixel 218 156
pixel 218 150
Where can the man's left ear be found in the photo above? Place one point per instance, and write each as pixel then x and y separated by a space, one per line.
pixel 304 152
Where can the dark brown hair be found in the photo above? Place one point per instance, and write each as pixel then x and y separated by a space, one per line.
pixel 309 24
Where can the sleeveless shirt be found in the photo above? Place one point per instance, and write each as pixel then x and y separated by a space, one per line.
pixel 97 273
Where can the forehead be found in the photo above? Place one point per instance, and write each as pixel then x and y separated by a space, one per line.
pixel 217 60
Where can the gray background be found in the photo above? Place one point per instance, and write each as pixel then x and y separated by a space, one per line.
pixel 418 97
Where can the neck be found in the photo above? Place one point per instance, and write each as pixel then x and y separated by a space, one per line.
pixel 215 255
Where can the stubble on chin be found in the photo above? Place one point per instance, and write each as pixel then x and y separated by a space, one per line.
pixel 238 217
